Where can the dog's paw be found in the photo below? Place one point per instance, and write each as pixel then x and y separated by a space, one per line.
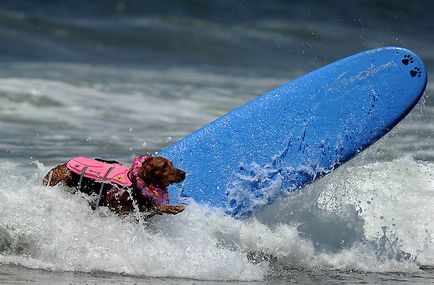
pixel 172 209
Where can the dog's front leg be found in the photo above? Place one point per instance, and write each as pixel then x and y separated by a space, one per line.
pixel 159 210
pixel 171 209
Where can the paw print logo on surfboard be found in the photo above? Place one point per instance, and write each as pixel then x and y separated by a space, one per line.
pixel 407 59
pixel 415 72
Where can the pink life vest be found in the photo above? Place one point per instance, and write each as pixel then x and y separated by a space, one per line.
pixel 100 171
pixel 116 173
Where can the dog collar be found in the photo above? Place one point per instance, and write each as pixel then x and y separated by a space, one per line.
pixel 160 196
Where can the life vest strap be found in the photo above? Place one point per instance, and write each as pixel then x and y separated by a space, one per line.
pixel 103 184
pixel 81 178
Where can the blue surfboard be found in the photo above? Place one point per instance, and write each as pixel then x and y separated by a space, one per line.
pixel 298 132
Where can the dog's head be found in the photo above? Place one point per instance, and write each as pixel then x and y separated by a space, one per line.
pixel 160 172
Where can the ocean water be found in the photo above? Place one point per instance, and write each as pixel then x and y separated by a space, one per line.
pixel 114 79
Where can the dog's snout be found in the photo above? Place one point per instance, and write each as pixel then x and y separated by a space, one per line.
pixel 182 175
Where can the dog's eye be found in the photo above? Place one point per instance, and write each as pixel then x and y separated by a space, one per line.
pixel 165 165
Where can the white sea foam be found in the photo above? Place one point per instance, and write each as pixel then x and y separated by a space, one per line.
pixel 398 195
pixel 336 223
pixel 52 229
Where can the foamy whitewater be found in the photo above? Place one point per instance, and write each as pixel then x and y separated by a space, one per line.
pixel 374 217
pixel 114 79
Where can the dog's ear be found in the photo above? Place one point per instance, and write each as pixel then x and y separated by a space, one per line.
pixel 147 171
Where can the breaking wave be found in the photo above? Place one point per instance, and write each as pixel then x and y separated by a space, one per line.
pixel 374 217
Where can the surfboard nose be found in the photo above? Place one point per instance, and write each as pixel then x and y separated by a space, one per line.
pixel 397 66
pixel 412 67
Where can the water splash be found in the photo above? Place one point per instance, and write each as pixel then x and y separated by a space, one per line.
pixel 255 186
pixel 328 226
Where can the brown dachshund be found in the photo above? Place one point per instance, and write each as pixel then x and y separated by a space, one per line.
pixel 147 190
